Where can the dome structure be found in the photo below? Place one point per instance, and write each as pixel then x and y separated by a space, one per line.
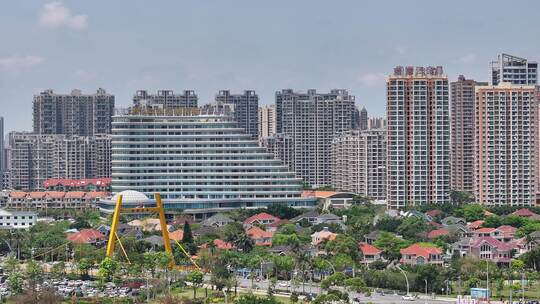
pixel 131 196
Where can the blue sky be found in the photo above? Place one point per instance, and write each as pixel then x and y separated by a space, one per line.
pixel 203 45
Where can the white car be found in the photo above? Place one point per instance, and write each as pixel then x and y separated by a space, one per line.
pixel 408 297
pixel 284 284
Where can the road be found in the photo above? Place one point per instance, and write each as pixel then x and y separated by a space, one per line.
pixel 282 287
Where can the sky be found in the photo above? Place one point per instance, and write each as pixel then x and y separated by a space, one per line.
pixel 204 45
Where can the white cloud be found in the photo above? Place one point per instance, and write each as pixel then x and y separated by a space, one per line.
pixel 56 15
pixel 17 62
pixel 372 79
pixel 468 58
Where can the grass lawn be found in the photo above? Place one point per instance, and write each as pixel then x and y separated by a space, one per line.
pixel 188 293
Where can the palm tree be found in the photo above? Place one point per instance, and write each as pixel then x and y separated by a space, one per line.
pixel 244 243
pixel 303 262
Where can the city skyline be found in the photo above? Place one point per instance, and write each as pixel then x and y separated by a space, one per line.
pixel 57 46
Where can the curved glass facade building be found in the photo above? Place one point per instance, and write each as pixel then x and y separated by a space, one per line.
pixel 200 164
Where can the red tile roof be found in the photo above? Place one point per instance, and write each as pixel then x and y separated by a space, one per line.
pixel 101 182
pixel 18 194
pixel 437 232
pixel 434 212
pixel 96 194
pixel 36 195
pixel 75 194
pixel 368 249
pixel 435 224
pixel 261 217
pixel 56 194
pixel 86 236
pixel 507 229
pixel 524 213
pixel 492 241
pixel 419 250
pixel 177 235
pixel 476 224
pixel 485 230
pixel 220 244
pixel 257 233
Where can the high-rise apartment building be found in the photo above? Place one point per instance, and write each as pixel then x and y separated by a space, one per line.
pixel 166 98
pixel 244 109
pixel 359 162
pixel 363 119
pixel 506 144
pixel 462 133
pixel 376 123
pixel 515 70
pixel 73 114
pixel 199 163
pixel 418 135
pixel 2 147
pixel 38 157
pixel 311 120
pixel 267 121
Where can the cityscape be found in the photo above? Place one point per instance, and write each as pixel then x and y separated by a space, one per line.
pixel 311 195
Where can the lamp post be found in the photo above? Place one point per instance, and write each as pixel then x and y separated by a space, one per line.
pixel 406 279
pixel 425 301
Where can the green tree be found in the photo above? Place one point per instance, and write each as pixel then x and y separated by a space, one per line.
pixel 356 284
pixel 473 212
pixel 188 235
pixel 283 211
pixel 33 273
pixel 11 264
pixel 196 280
pixel 390 245
pixel 108 268
pixel 413 228
pixel 83 267
pixel 388 223
pixel 58 270
pixel 252 299
pixel 335 279
pixel 15 282
pixel 461 197
pixel 492 221
pixel 244 242
pixel 231 232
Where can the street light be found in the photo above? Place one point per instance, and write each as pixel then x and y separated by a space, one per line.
pixel 425 301
pixel 406 279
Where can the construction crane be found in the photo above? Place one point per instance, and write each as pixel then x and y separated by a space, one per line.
pixel 113 236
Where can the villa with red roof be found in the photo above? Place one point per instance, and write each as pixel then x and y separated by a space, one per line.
pixel 370 253
pixel 77 184
pixel 489 248
pixel 420 254
pixel 87 236
pixel 476 224
pixel 261 219
pixel 259 236
pixel 41 200
pixel 526 213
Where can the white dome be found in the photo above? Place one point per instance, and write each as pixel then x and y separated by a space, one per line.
pixel 131 196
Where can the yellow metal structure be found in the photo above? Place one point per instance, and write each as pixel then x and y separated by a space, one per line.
pixel 113 236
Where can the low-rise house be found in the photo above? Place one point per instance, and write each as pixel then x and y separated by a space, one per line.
pixel 534 239
pixel 126 230
pixel 217 220
pixel 280 250
pixel 491 249
pixel 91 184
pixel 459 231
pixel 310 217
pixel 420 254
pixel 17 219
pixel 87 236
pixel 205 231
pixel 260 219
pixel 475 225
pixel 434 213
pixel 273 227
pixel 452 220
pixel 322 236
pixel 181 220
pixel 526 213
pixel 503 233
pixel 259 236
pixel 370 253
pixel 461 247
pixel 45 200
pixel 222 245
pixel 437 233
pixel 328 218
pixel 371 237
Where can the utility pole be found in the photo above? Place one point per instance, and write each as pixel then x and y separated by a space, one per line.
pixel 487 279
